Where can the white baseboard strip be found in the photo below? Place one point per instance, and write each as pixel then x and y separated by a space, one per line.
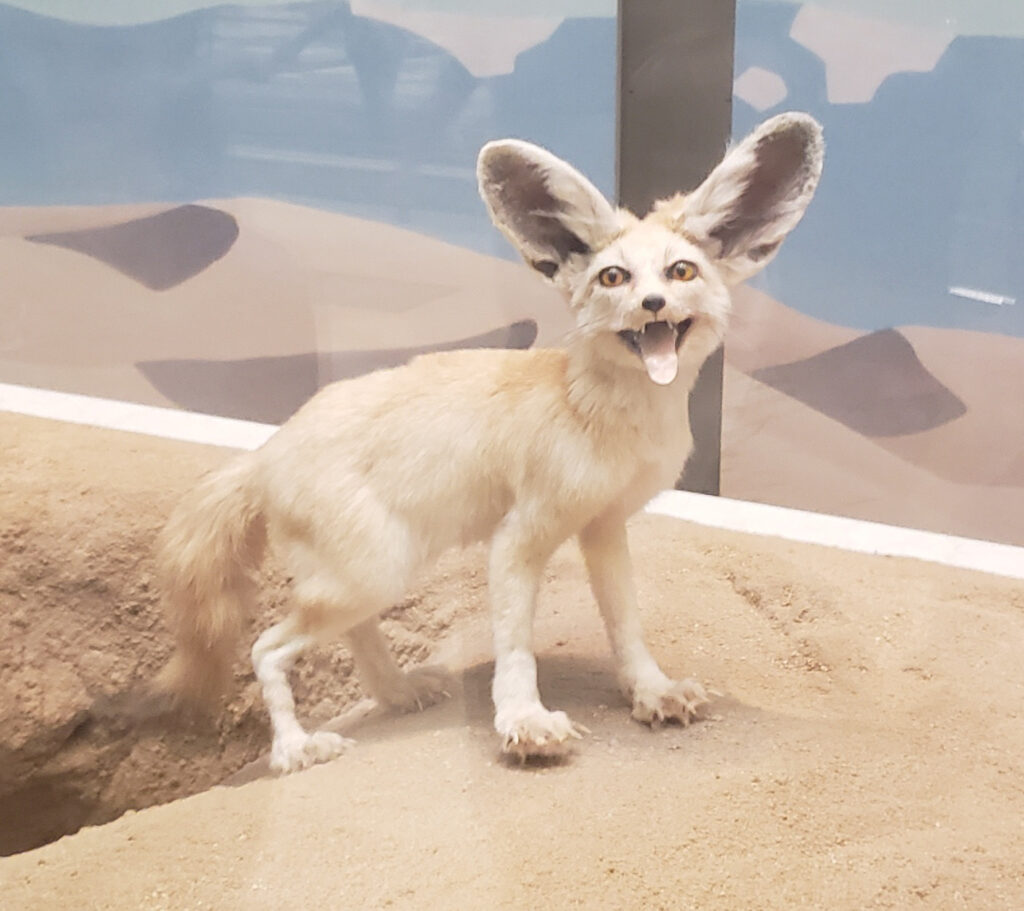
pixel 717 512
pixel 129 416
pixel 838 531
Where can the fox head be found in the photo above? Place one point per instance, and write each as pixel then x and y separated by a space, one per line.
pixel 649 293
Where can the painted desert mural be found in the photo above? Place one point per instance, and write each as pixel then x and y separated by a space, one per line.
pixel 221 208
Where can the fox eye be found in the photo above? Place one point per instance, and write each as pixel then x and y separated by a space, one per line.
pixel 613 276
pixel 682 270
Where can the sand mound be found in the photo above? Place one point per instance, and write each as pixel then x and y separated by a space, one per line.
pixel 271 389
pixel 864 752
pixel 158 251
pixel 80 629
pixel 875 385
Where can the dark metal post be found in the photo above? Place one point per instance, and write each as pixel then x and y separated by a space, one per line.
pixel 674 122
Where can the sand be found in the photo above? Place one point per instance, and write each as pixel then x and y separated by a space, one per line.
pixel 864 750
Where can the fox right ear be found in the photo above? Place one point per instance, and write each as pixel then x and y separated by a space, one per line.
pixel 545 207
pixel 748 204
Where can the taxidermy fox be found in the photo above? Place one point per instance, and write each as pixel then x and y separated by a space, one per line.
pixel 374 477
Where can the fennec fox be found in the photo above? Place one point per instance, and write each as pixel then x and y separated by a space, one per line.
pixel 375 476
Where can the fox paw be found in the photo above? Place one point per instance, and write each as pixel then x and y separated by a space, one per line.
pixel 680 700
pixel 290 754
pixel 537 733
pixel 420 688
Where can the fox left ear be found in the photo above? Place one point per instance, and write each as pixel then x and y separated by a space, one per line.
pixel 748 204
pixel 544 206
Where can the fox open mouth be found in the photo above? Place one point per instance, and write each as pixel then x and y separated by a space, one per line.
pixel 657 345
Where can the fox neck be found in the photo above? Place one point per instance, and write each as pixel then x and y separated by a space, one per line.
pixel 604 390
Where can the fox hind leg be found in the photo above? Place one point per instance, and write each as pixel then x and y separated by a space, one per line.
pixel 293 748
pixel 406 691
pixel 342 584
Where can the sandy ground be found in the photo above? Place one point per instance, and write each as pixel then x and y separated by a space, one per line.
pixel 81 630
pixel 865 752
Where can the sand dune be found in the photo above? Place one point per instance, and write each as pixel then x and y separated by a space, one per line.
pixel 875 385
pixel 21 221
pixel 271 389
pixel 297 281
pixel 158 251
pixel 918 427
pixel 986 445
pixel 764 332
pixel 777 450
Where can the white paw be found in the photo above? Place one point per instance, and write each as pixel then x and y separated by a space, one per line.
pixel 537 732
pixel 678 700
pixel 300 751
pixel 421 688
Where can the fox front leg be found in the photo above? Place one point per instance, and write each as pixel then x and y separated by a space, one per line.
pixel 655 696
pixel 527 729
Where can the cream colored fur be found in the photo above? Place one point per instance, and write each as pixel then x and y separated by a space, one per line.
pixel 376 476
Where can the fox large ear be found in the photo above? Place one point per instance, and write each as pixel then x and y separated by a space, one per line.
pixel 749 203
pixel 544 206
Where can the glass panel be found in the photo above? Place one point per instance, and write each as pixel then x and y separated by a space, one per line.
pixel 876 368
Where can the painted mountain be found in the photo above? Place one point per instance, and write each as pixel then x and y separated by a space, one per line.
pixel 312 103
pixel 922 197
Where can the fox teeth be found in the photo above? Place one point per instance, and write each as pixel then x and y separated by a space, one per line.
pixel 632 336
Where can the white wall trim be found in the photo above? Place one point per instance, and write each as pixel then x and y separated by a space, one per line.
pixel 717 512
pixel 134 418
pixel 838 531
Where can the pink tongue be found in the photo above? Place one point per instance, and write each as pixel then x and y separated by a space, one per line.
pixel 658 349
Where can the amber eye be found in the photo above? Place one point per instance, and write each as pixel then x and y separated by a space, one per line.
pixel 682 270
pixel 613 276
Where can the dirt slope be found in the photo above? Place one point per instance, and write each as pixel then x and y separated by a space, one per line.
pixel 81 630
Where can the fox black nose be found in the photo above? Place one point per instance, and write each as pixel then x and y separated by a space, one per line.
pixel 653 302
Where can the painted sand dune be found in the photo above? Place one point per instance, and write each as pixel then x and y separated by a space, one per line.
pixel 158 251
pixel 875 385
pixel 271 389
pixel 910 427
pixel 246 282
pixel 22 221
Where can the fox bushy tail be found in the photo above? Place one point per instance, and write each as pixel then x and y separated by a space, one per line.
pixel 206 557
